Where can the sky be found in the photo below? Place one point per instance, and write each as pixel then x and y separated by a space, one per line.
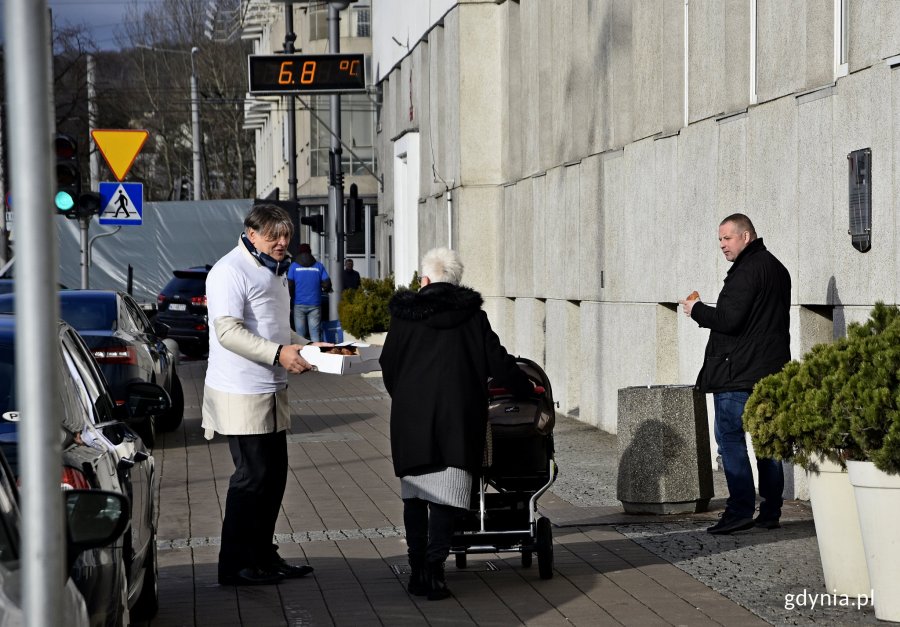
pixel 102 17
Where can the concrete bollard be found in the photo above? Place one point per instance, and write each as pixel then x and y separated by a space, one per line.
pixel 664 459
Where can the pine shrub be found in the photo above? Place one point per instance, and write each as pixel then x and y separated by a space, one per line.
pixel 841 402
pixel 364 311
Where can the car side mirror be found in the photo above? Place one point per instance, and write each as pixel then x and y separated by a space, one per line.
pixel 146 399
pixel 94 518
pixel 161 329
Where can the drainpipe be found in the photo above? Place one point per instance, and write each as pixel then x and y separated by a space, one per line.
pixel 450 215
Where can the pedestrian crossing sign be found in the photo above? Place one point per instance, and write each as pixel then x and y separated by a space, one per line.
pixel 122 204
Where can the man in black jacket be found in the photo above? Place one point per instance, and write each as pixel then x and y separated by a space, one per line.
pixel 436 361
pixel 749 339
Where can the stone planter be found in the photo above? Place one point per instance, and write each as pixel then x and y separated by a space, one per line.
pixel 837 531
pixel 664 459
pixel 878 503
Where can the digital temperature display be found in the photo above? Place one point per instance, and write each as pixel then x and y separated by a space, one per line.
pixel 307 73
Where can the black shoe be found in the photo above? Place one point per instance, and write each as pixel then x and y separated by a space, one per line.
pixel 437 585
pixel 418 582
pixel 729 524
pixel 289 571
pixel 250 577
pixel 766 523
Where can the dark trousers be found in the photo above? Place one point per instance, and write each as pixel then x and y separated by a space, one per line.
pixel 254 500
pixel 729 432
pixel 429 529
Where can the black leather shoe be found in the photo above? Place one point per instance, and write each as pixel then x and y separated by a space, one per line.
pixel 729 524
pixel 766 523
pixel 290 571
pixel 250 577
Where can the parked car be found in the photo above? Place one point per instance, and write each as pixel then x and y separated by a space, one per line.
pixel 181 306
pixel 101 450
pixel 125 344
pixel 94 519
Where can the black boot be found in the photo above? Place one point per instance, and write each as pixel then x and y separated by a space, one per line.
pixel 418 583
pixel 437 585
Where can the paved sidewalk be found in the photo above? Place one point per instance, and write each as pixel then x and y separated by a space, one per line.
pixel 343 514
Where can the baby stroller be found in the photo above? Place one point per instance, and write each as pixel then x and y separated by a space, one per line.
pixel 519 467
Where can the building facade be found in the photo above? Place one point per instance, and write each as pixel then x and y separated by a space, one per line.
pixel 580 155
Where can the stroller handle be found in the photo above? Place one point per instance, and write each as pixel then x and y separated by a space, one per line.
pixel 538 391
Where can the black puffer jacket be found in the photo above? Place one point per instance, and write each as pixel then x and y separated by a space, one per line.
pixel 750 324
pixel 436 361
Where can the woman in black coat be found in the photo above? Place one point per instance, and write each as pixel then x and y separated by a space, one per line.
pixel 436 361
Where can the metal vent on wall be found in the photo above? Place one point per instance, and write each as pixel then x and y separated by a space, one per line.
pixel 860 192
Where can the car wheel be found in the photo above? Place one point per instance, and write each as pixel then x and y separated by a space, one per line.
pixel 147 603
pixel 147 431
pixel 194 350
pixel 173 419
pixel 545 548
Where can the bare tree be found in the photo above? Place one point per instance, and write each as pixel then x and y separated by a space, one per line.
pixel 154 94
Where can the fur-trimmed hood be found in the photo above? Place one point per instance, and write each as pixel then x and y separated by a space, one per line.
pixel 439 305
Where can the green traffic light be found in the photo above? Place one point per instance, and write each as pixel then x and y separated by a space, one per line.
pixel 64 201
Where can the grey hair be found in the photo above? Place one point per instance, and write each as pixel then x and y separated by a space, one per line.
pixel 442 265
pixel 270 221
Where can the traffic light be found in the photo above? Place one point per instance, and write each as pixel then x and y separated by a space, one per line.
pixel 88 205
pixel 316 222
pixel 68 176
pixel 354 222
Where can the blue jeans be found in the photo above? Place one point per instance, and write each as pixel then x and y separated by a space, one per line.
pixel 307 319
pixel 729 431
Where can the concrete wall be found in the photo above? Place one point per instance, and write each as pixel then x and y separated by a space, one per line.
pixel 583 205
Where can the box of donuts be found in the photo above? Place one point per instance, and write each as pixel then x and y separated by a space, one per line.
pixel 346 358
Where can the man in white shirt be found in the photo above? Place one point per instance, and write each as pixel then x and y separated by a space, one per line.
pixel 251 350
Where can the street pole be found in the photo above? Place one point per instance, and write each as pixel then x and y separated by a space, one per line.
pixel 92 124
pixel 28 78
pixel 84 222
pixel 335 228
pixel 289 38
pixel 195 123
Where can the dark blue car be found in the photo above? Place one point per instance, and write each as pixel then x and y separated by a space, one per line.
pixel 124 343
pixel 101 450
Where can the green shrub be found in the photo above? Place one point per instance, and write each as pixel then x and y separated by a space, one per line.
pixel 365 311
pixel 841 402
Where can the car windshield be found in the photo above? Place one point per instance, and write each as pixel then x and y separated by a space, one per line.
pixel 183 285
pixel 89 314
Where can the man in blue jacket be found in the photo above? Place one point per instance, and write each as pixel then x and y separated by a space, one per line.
pixel 307 279
pixel 749 339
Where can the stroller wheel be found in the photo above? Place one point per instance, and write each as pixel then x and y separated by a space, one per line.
pixel 545 548
pixel 526 559
pixel 460 560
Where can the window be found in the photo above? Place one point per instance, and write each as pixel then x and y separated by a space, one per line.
pixel 360 25
pixel 357 129
pixel 841 39
pixel 318 23
pixel 354 23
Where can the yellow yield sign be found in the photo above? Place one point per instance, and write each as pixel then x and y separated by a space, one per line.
pixel 119 148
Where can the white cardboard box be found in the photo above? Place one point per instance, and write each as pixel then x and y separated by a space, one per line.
pixel 365 359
